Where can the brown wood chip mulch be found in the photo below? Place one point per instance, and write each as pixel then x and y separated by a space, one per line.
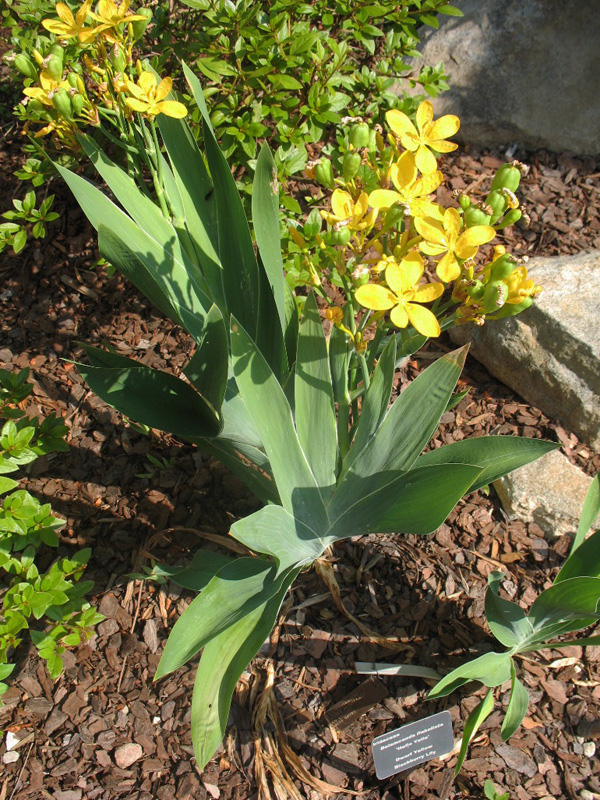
pixel 104 730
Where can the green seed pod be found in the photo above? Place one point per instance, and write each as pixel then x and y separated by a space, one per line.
pixel 372 145
pixel 512 215
pixel 140 25
pixel 351 165
pixel 359 135
pixel 72 79
pixel 494 296
pixel 474 215
pixel 62 103
pixel 512 309
pixel 53 64
pixel 475 292
pixel 77 102
pixel 324 173
pixel 339 237
pixel 498 203
pixel 465 201
pixel 35 107
pixel 503 267
pixel 362 277
pixel 394 215
pixel 119 60
pixel 507 177
pixel 25 66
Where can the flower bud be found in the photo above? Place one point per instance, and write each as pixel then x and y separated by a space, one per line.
pixel 119 61
pixel 138 27
pixel 350 165
pixel 62 103
pixel 395 214
pixel 334 314
pixel 465 201
pixel 324 173
pixel 359 135
pixel 25 66
pixel 475 290
pixel 77 103
pixel 339 236
pixel 53 66
pixel 511 216
pixel 475 215
pixel 508 176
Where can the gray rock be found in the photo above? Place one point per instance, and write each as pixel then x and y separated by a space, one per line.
pixel 524 72
pixel 550 354
pixel 549 492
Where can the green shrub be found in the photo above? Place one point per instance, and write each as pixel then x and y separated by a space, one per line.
pixel 54 597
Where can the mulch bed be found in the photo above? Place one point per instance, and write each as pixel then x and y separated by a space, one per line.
pixel 104 730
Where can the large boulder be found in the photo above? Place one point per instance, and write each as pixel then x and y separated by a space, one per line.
pixel 526 71
pixel 550 354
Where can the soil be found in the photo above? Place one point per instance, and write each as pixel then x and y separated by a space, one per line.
pixel 104 730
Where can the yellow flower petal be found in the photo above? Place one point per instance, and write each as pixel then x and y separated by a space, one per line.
pixel 64 12
pixel 400 123
pixel 448 268
pixel 361 206
pixel 394 277
pixel 171 108
pixel 410 140
pixel 432 249
pixel 424 116
pixel 412 266
pixel 383 198
pixel 432 231
pixel 375 297
pixel 58 28
pixel 475 236
pixel 137 105
pixel 423 320
pixel 452 223
pixel 429 183
pixel 425 160
pixel 441 146
pixel 443 127
pixel 429 292
pixel 341 204
pixel 404 171
pixel 399 316
pixel 147 81
pixel 164 89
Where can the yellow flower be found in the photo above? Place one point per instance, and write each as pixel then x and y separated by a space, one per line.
pixel 72 25
pixel 403 295
pixel 149 99
pixel 110 15
pixel 344 210
pixel 46 89
pixel 427 134
pixel 443 236
pixel 520 287
pixel 410 189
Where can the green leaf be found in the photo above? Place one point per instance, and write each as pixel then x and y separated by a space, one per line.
pixel 265 219
pixel 475 720
pixel 411 421
pixel 584 560
pixel 375 403
pixel 237 589
pixel 199 572
pixel 573 600
pixel 497 455
pixel 585 642
pixel 517 706
pixel 491 669
pixel 207 369
pixel 591 509
pixel 7 485
pixel 283 81
pixel 399 502
pixel 246 287
pixel 315 413
pixel 224 659
pixel 149 396
pixel 275 532
pixel 508 622
pixel 269 409
pixel 195 190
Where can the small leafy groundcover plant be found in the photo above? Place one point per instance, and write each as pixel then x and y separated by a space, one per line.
pixel 55 597
pixel 303 418
pixel 570 604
